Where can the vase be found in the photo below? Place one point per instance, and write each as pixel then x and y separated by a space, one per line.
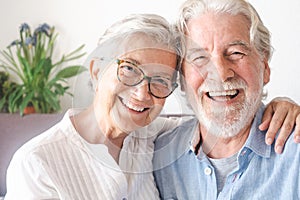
pixel 28 110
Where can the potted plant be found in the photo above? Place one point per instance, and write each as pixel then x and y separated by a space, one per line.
pixel 42 81
pixel 4 90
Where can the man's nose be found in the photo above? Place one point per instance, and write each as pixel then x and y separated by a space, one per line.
pixel 141 91
pixel 222 68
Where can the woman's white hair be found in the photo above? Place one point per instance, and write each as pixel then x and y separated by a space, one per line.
pixel 259 34
pixel 153 26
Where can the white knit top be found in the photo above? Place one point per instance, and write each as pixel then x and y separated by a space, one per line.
pixel 60 164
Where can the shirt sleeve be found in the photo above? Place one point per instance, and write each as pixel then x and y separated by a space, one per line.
pixel 164 124
pixel 27 179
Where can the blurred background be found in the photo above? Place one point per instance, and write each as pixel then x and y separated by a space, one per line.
pixel 82 22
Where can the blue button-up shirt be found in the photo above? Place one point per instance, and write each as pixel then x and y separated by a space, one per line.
pixel 261 173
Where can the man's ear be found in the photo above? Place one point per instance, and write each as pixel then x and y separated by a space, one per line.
pixel 182 82
pixel 94 70
pixel 267 72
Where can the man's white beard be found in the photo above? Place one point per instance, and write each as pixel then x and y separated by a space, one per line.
pixel 228 121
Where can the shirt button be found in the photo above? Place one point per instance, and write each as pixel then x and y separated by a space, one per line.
pixel 244 152
pixel 207 171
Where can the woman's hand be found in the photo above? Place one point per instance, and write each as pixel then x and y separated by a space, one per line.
pixel 281 113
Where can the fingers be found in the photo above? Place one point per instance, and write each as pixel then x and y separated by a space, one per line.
pixel 266 119
pixel 285 116
pixel 297 130
pixel 275 125
pixel 276 121
pixel 285 131
pixel 281 114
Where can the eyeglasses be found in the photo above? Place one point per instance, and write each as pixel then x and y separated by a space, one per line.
pixel 131 75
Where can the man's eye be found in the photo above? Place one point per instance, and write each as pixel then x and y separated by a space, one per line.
pixel 200 60
pixel 236 55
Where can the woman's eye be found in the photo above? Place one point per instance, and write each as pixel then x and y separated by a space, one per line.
pixel 127 68
pixel 162 81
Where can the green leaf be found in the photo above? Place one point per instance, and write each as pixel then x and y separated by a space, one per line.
pixel 2 102
pixel 26 69
pixel 75 51
pixel 25 102
pixel 70 71
pixel 59 89
pixel 47 67
pixel 14 99
pixel 51 99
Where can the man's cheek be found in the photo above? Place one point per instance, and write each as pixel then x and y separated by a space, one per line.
pixel 194 81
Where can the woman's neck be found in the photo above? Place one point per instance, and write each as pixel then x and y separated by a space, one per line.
pixel 99 131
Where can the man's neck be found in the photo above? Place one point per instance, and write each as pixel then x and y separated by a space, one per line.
pixel 216 147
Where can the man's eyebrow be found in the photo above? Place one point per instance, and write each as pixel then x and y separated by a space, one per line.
pixel 195 49
pixel 240 43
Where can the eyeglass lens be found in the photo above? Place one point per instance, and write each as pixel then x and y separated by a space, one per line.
pixel 130 74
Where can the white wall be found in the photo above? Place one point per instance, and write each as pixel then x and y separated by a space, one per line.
pixel 82 22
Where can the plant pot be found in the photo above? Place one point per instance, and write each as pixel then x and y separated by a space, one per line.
pixel 28 110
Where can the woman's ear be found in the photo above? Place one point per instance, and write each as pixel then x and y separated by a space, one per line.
pixel 94 70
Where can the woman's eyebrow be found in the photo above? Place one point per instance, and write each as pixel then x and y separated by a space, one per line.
pixel 131 60
pixel 164 74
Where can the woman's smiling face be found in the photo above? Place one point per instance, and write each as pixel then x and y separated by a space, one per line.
pixel 130 107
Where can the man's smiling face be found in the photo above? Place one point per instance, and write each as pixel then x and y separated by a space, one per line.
pixel 224 74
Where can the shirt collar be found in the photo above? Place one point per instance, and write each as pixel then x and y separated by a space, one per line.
pixel 256 138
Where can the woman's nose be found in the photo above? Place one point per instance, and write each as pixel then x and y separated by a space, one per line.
pixel 141 91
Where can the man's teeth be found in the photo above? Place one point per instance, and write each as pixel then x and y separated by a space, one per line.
pixel 133 107
pixel 223 93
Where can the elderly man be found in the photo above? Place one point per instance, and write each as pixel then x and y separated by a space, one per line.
pixel 224 70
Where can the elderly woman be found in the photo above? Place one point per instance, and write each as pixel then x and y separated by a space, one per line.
pixel 105 151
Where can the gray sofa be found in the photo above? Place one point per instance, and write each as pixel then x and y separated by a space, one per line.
pixel 15 131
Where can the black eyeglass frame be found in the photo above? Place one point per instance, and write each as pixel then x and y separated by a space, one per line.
pixel 148 78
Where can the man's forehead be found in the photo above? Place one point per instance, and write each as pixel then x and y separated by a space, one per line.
pixel 219 25
pixel 192 46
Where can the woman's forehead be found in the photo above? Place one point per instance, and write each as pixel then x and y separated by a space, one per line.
pixel 143 41
pixel 152 56
pixel 150 68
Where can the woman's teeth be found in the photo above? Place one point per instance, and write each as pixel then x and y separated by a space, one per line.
pixel 133 107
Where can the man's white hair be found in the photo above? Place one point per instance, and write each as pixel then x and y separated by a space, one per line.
pixel 259 34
